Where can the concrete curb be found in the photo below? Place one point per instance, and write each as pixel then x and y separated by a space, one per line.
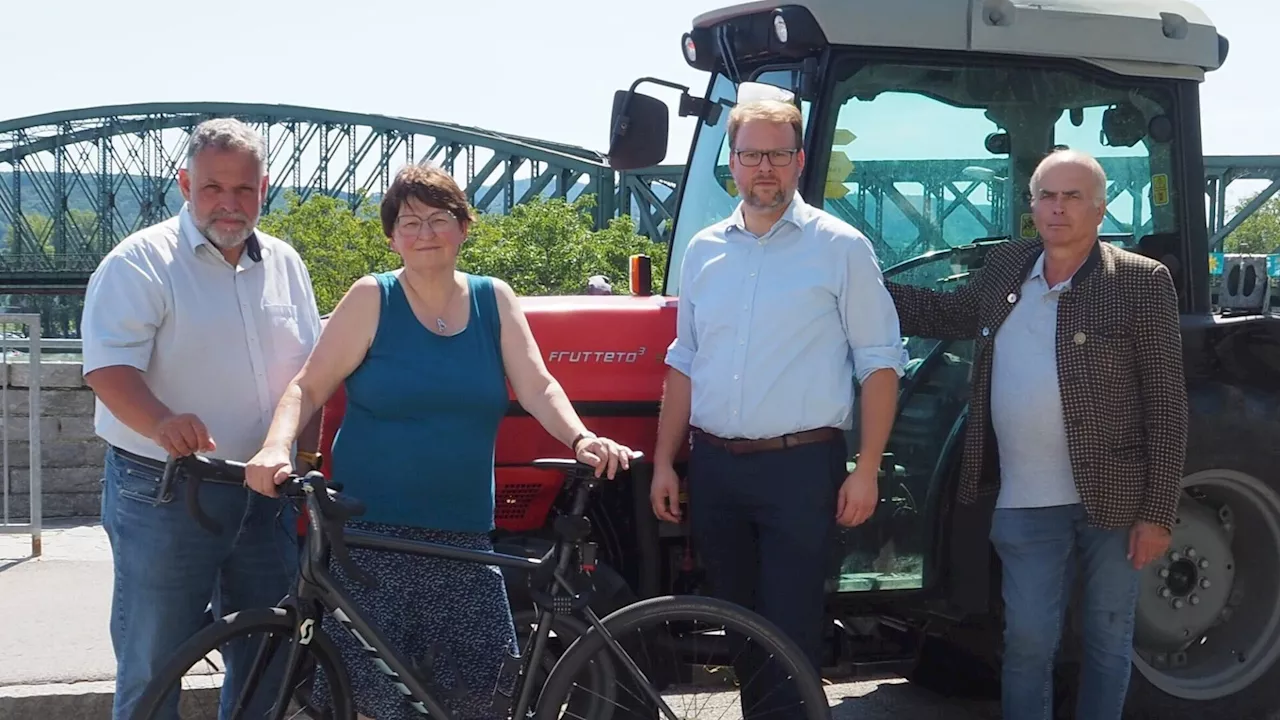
pixel 87 700
pixel 82 701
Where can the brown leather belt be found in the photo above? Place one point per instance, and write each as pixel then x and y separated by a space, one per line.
pixel 744 446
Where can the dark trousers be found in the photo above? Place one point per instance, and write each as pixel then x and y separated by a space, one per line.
pixel 762 525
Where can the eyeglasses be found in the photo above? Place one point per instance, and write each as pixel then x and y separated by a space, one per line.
pixel 777 158
pixel 412 225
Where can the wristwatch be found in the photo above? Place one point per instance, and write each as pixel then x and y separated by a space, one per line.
pixel 314 459
pixel 588 435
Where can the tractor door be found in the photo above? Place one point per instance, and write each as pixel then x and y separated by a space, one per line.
pixel 931 160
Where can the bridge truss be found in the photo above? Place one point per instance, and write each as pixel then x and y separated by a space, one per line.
pixel 956 201
pixel 74 183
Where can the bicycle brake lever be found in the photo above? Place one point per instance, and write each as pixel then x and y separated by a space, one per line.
pixel 339 548
pixel 165 493
pixel 193 507
pixel 333 516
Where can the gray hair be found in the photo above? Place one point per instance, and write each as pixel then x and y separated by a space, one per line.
pixel 227 134
pixel 1072 157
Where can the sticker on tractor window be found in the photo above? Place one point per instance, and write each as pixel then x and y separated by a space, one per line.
pixel 1028 229
pixel 1160 189
pixel 1215 263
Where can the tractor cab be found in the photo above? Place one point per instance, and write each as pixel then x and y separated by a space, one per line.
pixel 923 124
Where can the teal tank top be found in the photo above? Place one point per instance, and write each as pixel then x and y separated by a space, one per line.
pixel 416 443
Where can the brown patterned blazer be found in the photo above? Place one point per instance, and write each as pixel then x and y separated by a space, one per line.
pixel 1119 351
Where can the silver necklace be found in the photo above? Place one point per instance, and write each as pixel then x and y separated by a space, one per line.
pixel 440 323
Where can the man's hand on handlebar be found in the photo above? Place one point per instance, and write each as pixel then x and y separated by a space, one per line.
pixel 182 435
pixel 268 469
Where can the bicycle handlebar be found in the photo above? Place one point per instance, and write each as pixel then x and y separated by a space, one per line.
pixel 333 511
pixel 206 469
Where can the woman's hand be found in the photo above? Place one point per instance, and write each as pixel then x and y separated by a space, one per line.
pixel 270 467
pixel 604 455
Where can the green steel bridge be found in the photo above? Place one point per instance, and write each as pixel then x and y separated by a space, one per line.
pixel 74 183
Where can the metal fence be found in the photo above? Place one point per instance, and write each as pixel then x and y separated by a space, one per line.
pixel 20 341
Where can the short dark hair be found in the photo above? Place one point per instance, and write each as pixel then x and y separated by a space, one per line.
pixel 430 186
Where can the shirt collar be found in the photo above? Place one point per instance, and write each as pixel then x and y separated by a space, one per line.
pixel 194 238
pixel 1037 273
pixel 1037 270
pixel 796 214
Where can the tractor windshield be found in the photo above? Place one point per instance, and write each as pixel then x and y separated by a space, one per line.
pixel 929 155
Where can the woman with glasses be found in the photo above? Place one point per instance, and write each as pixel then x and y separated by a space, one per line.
pixel 425 353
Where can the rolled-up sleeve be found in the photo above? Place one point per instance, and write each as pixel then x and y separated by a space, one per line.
pixel 868 314
pixel 123 307
pixel 685 345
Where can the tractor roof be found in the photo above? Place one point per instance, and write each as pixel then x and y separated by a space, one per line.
pixel 1140 37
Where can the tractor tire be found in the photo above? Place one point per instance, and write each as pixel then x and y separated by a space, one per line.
pixel 1207 638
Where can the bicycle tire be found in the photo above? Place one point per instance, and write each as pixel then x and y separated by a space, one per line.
pixel 228 628
pixel 675 608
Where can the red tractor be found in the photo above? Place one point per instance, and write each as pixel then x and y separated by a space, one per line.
pixel 924 121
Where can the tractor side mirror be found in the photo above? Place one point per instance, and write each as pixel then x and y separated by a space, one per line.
pixel 638 138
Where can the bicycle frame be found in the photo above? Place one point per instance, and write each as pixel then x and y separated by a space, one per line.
pixel 317 591
pixel 316 583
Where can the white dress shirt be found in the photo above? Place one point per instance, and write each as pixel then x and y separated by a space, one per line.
pixel 220 341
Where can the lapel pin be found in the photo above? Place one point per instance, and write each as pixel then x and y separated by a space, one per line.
pixel 1080 338
pixel 1013 298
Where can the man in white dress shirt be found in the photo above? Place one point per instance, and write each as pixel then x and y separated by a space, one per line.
pixel 782 309
pixel 192 329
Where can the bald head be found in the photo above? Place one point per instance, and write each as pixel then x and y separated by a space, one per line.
pixel 1075 159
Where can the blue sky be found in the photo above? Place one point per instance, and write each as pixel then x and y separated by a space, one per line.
pixel 488 63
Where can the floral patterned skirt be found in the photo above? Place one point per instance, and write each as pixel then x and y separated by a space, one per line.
pixel 450 619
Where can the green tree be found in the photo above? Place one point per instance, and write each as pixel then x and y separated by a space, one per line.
pixel 547 247
pixel 338 245
pixel 544 247
pixel 78 227
pixel 1260 232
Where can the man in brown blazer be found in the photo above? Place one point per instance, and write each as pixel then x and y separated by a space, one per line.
pixel 1077 424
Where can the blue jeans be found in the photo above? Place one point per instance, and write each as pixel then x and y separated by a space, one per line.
pixel 1040 549
pixel 168 569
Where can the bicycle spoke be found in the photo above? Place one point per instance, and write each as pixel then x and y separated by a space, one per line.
pixel 691 668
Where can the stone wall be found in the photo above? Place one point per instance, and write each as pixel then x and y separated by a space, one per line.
pixel 70 454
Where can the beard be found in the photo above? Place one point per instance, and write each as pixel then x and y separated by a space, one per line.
pixel 766 198
pixel 226 239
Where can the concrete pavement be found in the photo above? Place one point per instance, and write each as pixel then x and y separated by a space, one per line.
pixel 56 659
pixel 55 652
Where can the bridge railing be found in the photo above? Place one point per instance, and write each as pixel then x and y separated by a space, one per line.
pixel 20 488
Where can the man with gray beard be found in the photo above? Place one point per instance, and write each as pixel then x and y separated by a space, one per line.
pixel 192 330
pixel 782 308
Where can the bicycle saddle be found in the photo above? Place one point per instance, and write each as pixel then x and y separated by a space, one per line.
pixel 570 465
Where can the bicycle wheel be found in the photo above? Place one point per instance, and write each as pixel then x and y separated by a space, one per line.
pixel 199 693
pixel 676 647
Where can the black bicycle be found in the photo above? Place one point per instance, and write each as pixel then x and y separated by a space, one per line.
pixel 610 667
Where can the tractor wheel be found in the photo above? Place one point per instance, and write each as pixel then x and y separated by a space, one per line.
pixel 1207 636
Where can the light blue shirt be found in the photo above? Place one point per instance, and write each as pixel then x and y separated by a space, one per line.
pixel 772 330
pixel 1026 408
